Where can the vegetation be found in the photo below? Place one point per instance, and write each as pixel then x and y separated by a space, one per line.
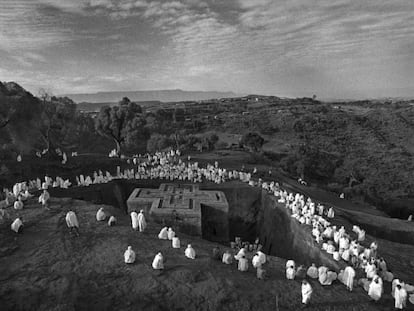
pixel 363 148
pixel 123 123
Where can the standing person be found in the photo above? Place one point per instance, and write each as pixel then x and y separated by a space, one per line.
pixel 400 296
pixel 306 292
pixel 134 220
pixel 243 264
pixel 44 198
pixel 72 222
pixel 349 275
pixel 142 223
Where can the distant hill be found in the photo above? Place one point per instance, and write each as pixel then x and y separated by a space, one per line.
pixel 142 96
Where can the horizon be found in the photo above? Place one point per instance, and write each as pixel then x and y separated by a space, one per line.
pixel 333 49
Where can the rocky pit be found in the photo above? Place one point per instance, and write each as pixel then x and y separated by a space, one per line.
pixel 252 213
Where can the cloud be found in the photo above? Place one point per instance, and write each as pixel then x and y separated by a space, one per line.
pixel 266 45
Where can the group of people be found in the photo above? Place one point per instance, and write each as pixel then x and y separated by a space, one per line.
pixel 338 243
pixel 168 165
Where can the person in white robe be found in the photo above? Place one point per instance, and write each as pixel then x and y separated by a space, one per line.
pixel 306 292
pixel 325 276
pixel 18 204
pixel 176 242
pixel 100 214
pixel 163 235
pixel 259 259
pixel 17 225
pixel 375 289
pixel 227 258
pixel 348 277
pixel 190 252
pixel 142 223
pixel 158 262
pixel 72 222
pixel 400 296
pixel 111 221
pixel 134 220
pixel 44 199
pixel 256 261
pixel 346 255
pixel 171 233
pixel 290 273
pixel 370 270
pixel 129 255
pixel 243 264
pixel 312 271
pixel 394 284
pixel 241 253
pixel 290 262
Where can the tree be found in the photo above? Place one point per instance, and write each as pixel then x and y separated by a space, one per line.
pixel 253 141
pixel 158 142
pixel 124 123
pixel 58 121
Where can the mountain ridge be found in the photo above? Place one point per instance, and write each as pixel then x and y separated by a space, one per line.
pixel 172 95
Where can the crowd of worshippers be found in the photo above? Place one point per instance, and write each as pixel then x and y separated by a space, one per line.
pixel 168 165
pixel 341 245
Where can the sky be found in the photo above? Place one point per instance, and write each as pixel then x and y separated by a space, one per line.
pixel 330 48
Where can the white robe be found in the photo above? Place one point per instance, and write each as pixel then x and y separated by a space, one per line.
pixel 134 220
pixel 349 275
pixel 312 272
pixel 306 293
pixel 163 235
pixel 129 256
pixel 175 242
pixel 371 270
pixel 141 222
pixel 44 198
pixel 262 257
pixel 375 290
pixel 243 264
pixel 289 263
pixel 72 220
pixel 158 262
pixel 100 215
pixel 227 258
pixel 190 253
pixel 400 296
pixel 290 273
pixel 15 226
pixel 171 234
pixel 256 261
pixel 240 254
pixel 111 221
